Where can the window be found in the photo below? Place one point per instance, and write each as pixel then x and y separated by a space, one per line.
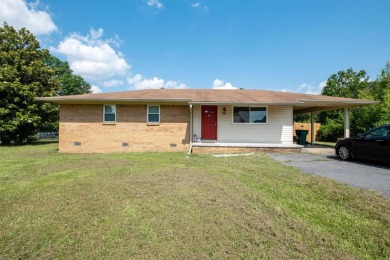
pixel 379 132
pixel 109 113
pixel 153 114
pixel 253 115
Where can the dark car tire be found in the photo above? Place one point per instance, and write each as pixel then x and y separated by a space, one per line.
pixel 344 152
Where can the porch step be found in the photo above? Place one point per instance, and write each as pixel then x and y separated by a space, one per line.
pixel 226 148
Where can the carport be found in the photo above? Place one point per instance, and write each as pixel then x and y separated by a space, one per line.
pixel 311 107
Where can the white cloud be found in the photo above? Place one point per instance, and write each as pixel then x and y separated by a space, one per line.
pixel 310 88
pixel 155 3
pixel 304 86
pixel 18 14
pixel 199 5
pixel 95 89
pixel 175 84
pixel 113 82
pixel 220 84
pixel 322 85
pixel 92 57
pixel 139 82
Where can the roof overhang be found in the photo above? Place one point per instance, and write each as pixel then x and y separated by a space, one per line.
pixel 299 106
pixel 325 105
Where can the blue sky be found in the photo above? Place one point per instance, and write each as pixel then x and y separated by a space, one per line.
pixel 275 45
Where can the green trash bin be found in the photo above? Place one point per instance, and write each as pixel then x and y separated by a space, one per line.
pixel 303 137
pixel 302 134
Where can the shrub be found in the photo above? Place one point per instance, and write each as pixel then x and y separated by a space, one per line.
pixel 330 131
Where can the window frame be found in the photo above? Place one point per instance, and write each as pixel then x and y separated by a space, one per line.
pixel 251 123
pixel 148 113
pixel 104 113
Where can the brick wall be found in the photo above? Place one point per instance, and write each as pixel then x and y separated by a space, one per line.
pixel 82 129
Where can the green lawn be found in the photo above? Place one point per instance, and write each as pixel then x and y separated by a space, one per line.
pixel 171 205
pixel 331 144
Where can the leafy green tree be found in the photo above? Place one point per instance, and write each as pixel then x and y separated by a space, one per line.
pixel 366 117
pixel 302 118
pixel 381 92
pixel 70 84
pixel 353 84
pixel 348 84
pixel 23 76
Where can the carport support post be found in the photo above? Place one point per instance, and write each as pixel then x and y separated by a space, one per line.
pixel 312 127
pixel 346 122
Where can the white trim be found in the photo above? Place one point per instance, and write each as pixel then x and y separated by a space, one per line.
pixel 260 123
pixel 159 114
pixel 104 113
pixel 346 122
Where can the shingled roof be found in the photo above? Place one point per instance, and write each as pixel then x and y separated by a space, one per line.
pixel 301 102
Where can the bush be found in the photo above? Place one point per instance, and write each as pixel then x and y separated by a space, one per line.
pixel 330 131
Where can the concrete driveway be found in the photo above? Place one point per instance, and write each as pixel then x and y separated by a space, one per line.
pixel 322 162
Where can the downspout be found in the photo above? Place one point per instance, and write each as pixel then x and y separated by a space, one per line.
pixel 189 151
pixel 312 128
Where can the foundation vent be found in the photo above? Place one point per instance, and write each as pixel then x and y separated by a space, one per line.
pixel 173 145
pixel 77 143
pixel 125 144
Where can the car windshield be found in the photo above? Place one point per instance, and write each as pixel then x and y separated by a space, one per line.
pixel 378 132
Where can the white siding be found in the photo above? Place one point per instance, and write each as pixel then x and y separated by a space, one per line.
pixel 278 129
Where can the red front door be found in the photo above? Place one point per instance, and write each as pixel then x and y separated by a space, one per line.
pixel 209 122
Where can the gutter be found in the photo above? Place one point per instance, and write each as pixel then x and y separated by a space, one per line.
pixel 244 103
pixel 338 102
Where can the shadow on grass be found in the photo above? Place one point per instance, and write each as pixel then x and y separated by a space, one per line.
pixel 42 142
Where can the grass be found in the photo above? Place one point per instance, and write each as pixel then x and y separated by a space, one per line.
pixel 330 144
pixel 170 205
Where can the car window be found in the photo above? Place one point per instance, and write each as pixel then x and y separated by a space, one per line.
pixel 379 132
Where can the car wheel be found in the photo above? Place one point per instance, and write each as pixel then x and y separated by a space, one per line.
pixel 344 152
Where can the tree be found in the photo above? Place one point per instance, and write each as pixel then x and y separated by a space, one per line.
pixel 367 117
pixel 302 118
pixel 348 84
pixel 23 76
pixel 381 92
pixel 70 84
pixel 26 72
pixel 353 84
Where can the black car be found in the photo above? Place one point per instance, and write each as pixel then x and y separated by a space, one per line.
pixel 372 145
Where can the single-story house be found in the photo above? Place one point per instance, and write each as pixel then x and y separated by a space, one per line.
pixel 186 119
